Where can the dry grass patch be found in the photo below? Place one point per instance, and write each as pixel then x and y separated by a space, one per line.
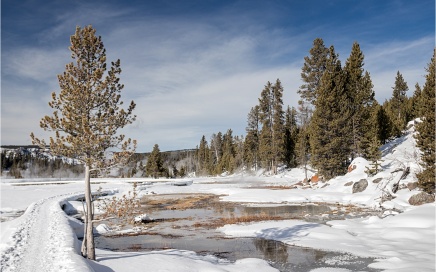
pixel 189 201
pixel 237 220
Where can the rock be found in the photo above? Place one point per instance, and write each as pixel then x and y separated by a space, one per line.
pixel 314 179
pixel 360 186
pixel 412 185
pixel 325 185
pixel 351 168
pixel 348 183
pixel 421 198
pixel 377 180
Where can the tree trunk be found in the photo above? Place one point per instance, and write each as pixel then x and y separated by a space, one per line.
pixel 88 239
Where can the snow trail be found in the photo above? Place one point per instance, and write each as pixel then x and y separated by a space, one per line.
pixel 38 245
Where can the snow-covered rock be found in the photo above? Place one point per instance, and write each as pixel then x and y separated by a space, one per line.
pixel 143 218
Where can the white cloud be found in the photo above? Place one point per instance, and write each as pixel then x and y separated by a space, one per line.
pixel 409 57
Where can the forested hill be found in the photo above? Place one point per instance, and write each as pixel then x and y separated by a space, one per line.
pixel 30 161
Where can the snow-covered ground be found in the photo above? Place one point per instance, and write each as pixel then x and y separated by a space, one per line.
pixel 402 238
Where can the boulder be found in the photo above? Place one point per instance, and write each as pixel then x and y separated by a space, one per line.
pixel 360 186
pixel 421 198
pixel 314 179
pixel 412 185
pixel 348 183
pixel 377 180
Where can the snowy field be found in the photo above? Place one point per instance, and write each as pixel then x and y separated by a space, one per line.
pixel 401 238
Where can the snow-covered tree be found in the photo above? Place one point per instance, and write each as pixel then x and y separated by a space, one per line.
pixel 87 115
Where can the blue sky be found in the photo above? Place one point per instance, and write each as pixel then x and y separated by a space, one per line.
pixel 197 67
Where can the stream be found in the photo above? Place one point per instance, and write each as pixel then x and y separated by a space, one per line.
pixel 189 222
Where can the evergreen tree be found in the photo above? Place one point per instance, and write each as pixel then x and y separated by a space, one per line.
pixel 398 106
pixel 216 146
pixel 384 124
pixel 87 114
pixel 154 166
pixel 303 139
pixel 266 132
pixel 312 71
pixel 271 141
pixel 203 157
pixel 228 163
pixel 278 126
pixel 415 103
pixel 360 96
pixel 251 143
pixel 329 130
pixel 291 134
pixel 374 155
pixel 371 144
pixel 426 131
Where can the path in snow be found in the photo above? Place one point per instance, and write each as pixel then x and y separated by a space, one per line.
pixel 38 245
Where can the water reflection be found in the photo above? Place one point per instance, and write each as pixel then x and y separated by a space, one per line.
pixel 180 229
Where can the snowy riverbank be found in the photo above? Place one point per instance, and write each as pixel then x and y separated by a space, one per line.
pixel 401 238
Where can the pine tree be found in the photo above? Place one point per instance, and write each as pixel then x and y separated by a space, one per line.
pixel 360 96
pixel 251 143
pixel 278 126
pixel 87 114
pixel 329 132
pixel 266 120
pixel 216 146
pixel 374 155
pixel 415 103
pixel 291 134
pixel 203 156
pixel 384 124
pixel 398 106
pixel 426 131
pixel 371 144
pixel 154 166
pixel 271 114
pixel 228 163
pixel 312 71
pixel 303 139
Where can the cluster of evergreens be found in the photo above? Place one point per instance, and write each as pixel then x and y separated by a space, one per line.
pixel 337 120
pixel 27 165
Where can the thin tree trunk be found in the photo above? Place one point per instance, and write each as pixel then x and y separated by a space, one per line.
pixel 88 235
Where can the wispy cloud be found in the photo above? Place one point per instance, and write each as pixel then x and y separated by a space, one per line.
pixel 409 57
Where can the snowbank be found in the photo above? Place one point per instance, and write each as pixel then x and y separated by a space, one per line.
pixel 405 242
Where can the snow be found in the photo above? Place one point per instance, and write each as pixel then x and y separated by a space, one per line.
pixel 44 238
pixel 404 242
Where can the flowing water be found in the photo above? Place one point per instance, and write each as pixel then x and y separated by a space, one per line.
pixel 188 222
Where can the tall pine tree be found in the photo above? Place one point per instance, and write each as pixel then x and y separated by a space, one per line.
pixel 398 105
pixel 251 143
pixel 154 166
pixel 291 134
pixel 271 114
pixel 360 97
pixel 426 131
pixel 312 71
pixel 87 114
pixel 329 131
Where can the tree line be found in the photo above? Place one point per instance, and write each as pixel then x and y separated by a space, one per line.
pixel 26 164
pixel 337 120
